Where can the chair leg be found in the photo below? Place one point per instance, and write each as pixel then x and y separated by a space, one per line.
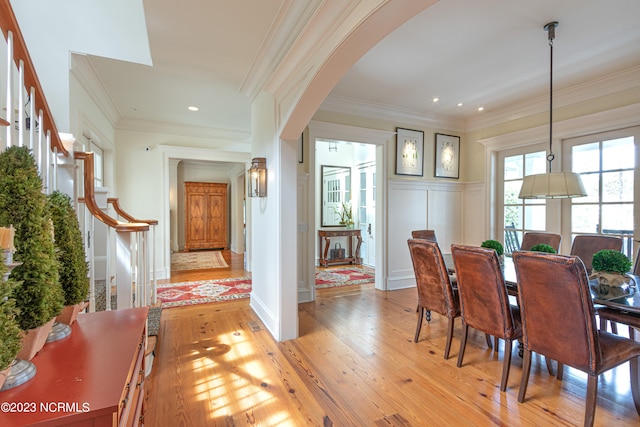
pixel 560 371
pixel 526 368
pixel 614 328
pixel 420 311
pixel 632 333
pixel 549 365
pixel 488 338
pixel 463 343
pixel 449 337
pixel 590 404
pixel 506 364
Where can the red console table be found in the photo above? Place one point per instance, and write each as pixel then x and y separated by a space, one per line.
pixel 94 377
pixel 351 257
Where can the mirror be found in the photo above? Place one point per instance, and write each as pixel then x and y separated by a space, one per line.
pixel 335 191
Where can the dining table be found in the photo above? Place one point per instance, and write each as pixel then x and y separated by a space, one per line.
pixel 625 299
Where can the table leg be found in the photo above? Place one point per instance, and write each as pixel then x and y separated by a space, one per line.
pixel 634 366
pixel 357 256
pixel 327 242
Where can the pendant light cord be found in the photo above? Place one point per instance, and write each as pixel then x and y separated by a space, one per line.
pixel 551 28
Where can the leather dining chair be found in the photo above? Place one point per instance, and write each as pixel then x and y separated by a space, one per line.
pixel 435 292
pixel 632 320
pixel 585 245
pixel 558 319
pixel 532 238
pixel 484 302
pixel 424 234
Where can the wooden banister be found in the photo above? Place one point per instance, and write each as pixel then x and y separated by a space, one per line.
pixel 90 201
pixel 9 23
pixel 116 206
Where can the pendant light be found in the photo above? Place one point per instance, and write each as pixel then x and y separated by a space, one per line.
pixel 551 185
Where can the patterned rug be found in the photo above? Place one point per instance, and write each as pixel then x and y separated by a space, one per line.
pixel 207 291
pixel 198 260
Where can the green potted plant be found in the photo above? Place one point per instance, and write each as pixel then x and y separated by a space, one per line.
pixel 543 247
pixel 72 266
pixel 39 296
pixel 493 244
pixel 346 215
pixel 10 333
pixel 610 267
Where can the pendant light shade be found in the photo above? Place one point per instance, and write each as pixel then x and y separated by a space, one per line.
pixel 551 185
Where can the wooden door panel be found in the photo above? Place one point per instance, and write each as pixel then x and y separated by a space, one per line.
pixel 205 215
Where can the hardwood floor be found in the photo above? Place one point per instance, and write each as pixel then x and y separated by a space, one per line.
pixel 354 364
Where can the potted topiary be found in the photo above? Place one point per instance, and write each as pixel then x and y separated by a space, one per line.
pixel 543 247
pixel 72 265
pixel 494 244
pixel 39 296
pixel 610 267
pixel 10 333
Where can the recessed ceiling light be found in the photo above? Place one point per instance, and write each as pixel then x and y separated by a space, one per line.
pixel 436 99
pixel 481 109
pixel 192 108
pixel 460 104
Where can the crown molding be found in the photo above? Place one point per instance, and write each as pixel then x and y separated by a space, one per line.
pixel 149 126
pixel 338 132
pixel 93 85
pixel 612 83
pixel 358 107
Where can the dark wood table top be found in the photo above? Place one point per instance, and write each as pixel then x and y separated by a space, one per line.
pixel 625 298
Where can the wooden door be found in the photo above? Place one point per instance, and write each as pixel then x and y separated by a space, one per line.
pixel 205 215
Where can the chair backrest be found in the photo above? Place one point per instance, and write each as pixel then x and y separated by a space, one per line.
pixel 484 301
pixel 434 287
pixel 585 245
pixel 424 234
pixel 556 309
pixel 511 241
pixel 532 238
pixel 636 263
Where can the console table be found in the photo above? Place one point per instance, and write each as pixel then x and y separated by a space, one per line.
pixel 351 257
pixel 94 377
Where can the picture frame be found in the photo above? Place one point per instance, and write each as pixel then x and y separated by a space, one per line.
pixel 447 156
pixel 409 152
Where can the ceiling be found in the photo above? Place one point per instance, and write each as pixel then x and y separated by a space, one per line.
pixel 490 53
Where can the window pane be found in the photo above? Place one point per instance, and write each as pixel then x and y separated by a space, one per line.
pixel 586 157
pixel 535 217
pixel 535 163
pixel 617 186
pixel 584 219
pixel 513 167
pixel 513 216
pixel 511 191
pixel 591 186
pixel 618 154
pixel 617 217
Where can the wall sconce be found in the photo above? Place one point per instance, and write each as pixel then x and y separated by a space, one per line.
pixel 258 177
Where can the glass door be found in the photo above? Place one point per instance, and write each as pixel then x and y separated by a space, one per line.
pixel 367 213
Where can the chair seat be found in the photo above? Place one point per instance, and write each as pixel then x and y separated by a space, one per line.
pixel 615 350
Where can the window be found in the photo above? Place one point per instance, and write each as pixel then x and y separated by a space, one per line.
pixel 98 165
pixel 520 215
pixel 606 162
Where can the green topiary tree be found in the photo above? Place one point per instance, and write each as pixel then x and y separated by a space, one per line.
pixel 39 297
pixel 10 333
pixel 610 261
pixel 543 247
pixel 72 265
pixel 493 244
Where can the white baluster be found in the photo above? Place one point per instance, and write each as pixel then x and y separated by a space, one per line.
pixel 20 103
pixel 9 86
pixel 32 119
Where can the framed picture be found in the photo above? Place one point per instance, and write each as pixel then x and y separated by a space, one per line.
pixel 301 149
pixel 447 156
pixel 409 152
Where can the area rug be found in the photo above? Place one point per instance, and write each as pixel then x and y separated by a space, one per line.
pixel 198 260
pixel 343 277
pixel 208 291
pixel 203 291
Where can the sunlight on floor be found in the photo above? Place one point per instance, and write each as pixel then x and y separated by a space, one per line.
pixel 236 384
